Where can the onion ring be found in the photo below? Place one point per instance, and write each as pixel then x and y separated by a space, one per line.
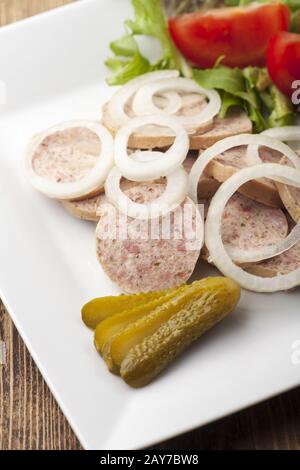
pixel 287 134
pixel 116 105
pixel 174 102
pixel 143 103
pixel 162 164
pixel 236 141
pixel 86 185
pixel 213 236
pixel 255 255
pixel 174 195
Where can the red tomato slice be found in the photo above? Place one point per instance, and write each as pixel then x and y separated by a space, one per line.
pixel 283 60
pixel 240 34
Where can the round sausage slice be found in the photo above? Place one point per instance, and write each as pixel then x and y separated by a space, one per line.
pixel 290 195
pixel 150 137
pixel 249 224
pixel 280 265
pixel 236 122
pixel 147 255
pixel 229 162
pixel 86 209
pixel 70 160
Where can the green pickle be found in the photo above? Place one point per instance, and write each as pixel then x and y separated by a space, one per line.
pixel 99 309
pixel 146 347
pixel 107 329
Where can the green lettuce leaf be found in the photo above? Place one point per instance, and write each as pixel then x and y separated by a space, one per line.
pixel 295 22
pixel 229 101
pixel 294 5
pixel 282 113
pixel 237 88
pixel 251 90
pixel 128 62
pixel 221 78
pixel 150 20
pixel 257 118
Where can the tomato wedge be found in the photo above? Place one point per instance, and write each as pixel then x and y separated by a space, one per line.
pixel 283 61
pixel 239 34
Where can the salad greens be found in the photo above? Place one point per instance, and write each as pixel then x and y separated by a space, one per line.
pixel 129 62
pixel 249 88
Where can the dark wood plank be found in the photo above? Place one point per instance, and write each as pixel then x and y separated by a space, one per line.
pixel 29 416
pixel 31 419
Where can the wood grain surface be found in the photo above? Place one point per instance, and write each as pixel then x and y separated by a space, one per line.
pixel 31 419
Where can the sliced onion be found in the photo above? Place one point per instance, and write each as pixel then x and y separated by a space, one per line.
pixel 174 195
pixel 162 164
pixel 236 141
pixel 116 105
pixel 71 190
pixel 287 134
pixel 173 105
pixel 213 235
pixel 255 255
pixel 143 102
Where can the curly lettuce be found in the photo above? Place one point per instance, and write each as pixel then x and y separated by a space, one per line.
pixel 251 90
pixel 128 62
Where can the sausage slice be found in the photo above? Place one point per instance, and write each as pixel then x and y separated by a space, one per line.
pixel 153 136
pixel 290 195
pixel 280 265
pixel 70 160
pixel 139 257
pixel 229 162
pixel 86 209
pixel 249 224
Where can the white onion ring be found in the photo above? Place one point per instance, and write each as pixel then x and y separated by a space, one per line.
pixel 287 134
pixel 173 196
pixel 255 255
pixel 236 141
pixel 71 190
pixel 213 236
pixel 143 103
pixel 174 102
pixel 162 164
pixel 116 105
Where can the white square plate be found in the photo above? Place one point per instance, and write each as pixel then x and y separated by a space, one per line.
pixel 53 67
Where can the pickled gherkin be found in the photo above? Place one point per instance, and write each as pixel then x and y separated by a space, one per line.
pixel 211 302
pixel 106 330
pixel 117 348
pixel 99 309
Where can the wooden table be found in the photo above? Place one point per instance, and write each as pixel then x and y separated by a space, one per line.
pixel 31 419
